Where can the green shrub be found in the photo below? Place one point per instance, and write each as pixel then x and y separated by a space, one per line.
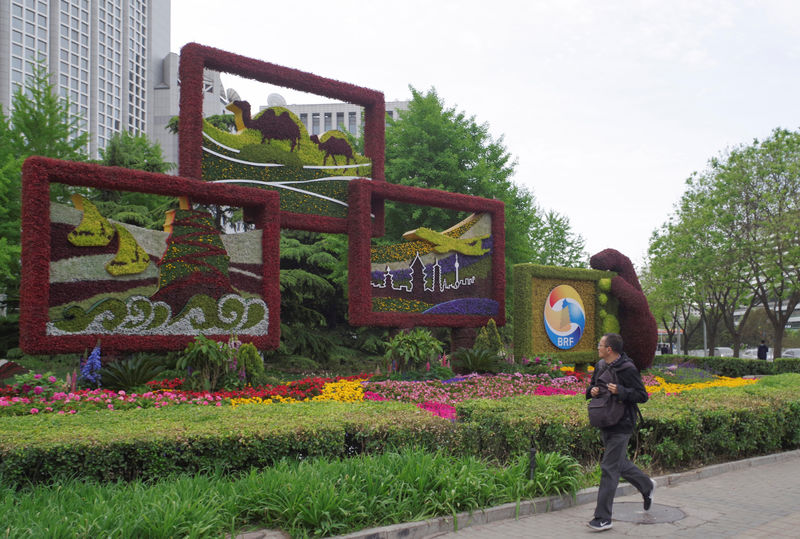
pixel 248 355
pixel 206 362
pixel 478 360
pixel 130 374
pixel 413 350
pixel 489 339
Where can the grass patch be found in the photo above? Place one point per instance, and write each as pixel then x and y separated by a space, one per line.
pixel 314 498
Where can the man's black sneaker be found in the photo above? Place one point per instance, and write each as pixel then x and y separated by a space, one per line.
pixel 648 499
pixel 600 524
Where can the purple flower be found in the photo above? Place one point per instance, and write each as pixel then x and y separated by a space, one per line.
pixel 90 370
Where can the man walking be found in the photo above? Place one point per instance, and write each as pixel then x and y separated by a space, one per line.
pixel 629 389
pixel 763 350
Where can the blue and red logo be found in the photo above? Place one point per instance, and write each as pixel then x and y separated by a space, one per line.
pixel 564 317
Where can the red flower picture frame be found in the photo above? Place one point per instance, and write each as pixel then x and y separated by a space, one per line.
pixel 38 173
pixel 196 57
pixel 362 194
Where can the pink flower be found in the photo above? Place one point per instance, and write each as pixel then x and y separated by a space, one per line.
pixel 37 376
pixel 61 412
pixel 38 390
pixel 52 379
pixel 219 404
pixel 34 410
pixel 73 411
pixel 110 406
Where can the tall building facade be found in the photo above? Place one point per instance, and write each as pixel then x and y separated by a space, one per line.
pixel 106 56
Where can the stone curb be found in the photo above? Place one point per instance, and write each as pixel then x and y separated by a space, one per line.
pixel 427 528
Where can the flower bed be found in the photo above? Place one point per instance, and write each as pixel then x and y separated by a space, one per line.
pixel 436 396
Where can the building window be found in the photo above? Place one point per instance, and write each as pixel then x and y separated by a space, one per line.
pixel 315 123
pixel 328 121
pixel 351 122
pixel 340 120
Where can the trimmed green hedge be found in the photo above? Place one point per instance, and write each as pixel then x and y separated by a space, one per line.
pixel 694 427
pixel 149 443
pixel 680 431
pixel 732 366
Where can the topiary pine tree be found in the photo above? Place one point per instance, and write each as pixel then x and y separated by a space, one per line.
pixel 194 262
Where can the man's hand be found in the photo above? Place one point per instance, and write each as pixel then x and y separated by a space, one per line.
pixel 612 388
pixel 595 391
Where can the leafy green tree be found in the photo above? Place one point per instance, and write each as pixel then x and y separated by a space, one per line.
pixel 762 182
pixel 9 208
pixel 734 240
pixel 42 123
pixel 134 151
pixel 558 244
pixel 313 286
pixel 436 147
pixel 225 122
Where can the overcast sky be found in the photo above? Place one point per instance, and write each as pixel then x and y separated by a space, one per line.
pixel 608 106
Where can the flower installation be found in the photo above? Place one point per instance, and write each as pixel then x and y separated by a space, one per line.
pixel 87 278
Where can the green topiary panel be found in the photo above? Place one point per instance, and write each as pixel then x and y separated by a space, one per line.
pixel 532 284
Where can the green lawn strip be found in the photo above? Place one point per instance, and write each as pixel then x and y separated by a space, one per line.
pixel 317 497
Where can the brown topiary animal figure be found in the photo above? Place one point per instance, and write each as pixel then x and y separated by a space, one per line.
pixel 332 147
pixel 637 324
pixel 271 125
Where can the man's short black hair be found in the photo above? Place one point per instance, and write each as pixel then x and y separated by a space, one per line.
pixel 614 340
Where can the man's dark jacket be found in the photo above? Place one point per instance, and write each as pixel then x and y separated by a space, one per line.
pixel 630 390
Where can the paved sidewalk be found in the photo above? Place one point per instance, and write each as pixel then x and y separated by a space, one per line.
pixel 752 498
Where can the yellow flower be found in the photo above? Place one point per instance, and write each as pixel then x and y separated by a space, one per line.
pixel 342 391
pixel 719 381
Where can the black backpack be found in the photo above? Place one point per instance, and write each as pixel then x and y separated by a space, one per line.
pixel 606 410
